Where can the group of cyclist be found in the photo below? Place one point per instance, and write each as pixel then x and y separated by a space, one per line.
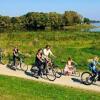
pixel 42 59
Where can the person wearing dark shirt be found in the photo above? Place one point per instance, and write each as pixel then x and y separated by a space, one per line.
pixel 39 61
pixel 15 55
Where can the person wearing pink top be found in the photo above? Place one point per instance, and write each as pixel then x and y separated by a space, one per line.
pixel 68 70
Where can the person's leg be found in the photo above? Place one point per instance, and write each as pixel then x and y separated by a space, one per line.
pixel 0 59
pixel 44 65
pixel 98 75
pixel 39 71
pixel 70 70
pixel 14 60
pixel 65 73
pixel 39 65
pixel 19 59
pixel 94 74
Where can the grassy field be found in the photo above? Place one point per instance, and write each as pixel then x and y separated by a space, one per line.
pixel 79 45
pixel 12 88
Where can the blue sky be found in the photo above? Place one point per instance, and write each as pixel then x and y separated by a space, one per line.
pixel 87 8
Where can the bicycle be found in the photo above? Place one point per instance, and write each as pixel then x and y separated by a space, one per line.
pixel 88 78
pixel 58 71
pixel 19 64
pixel 75 72
pixel 55 67
pixel 48 72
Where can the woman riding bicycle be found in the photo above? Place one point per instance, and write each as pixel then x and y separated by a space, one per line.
pixel 1 56
pixel 39 61
pixel 15 55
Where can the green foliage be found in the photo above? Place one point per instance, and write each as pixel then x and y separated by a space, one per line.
pixel 71 17
pixel 39 21
pixel 86 20
pixel 79 45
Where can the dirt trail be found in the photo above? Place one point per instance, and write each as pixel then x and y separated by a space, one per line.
pixel 71 81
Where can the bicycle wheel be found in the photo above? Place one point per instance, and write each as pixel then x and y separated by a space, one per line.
pixel 58 72
pixel 11 66
pixel 24 67
pixel 50 73
pixel 86 78
pixel 76 73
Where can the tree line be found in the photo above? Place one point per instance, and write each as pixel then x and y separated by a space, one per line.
pixel 41 21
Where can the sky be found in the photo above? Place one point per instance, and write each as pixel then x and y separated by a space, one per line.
pixel 87 8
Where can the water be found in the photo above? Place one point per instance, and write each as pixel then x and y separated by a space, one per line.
pixel 97 29
pixel 96 24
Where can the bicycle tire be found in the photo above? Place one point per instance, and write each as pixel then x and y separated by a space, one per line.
pixel 76 73
pixel 34 70
pixel 58 72
pixel 24 67
pixel 50 74
pixel 86 78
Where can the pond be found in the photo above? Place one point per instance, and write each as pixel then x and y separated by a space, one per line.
pixel 97 29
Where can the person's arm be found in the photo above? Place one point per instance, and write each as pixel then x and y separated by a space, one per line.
pixel 15 53
pixel 51 53
pixel 74 63
pixel 98 63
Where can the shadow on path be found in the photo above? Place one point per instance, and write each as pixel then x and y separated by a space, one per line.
pixel 97 84
pixel 35 76
pixel 30 74
pixel 76 80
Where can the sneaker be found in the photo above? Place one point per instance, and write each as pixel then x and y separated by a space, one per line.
pixel 14 68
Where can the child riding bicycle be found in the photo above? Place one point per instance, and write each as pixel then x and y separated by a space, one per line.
pixel 69 67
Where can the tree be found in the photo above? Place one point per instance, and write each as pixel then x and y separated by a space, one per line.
pixel 86 20
pixel 5 23
pixel 55 20
pixel 71 17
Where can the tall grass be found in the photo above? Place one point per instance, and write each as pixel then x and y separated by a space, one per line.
pixel 79 45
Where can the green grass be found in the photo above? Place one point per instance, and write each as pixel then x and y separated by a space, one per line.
pixel 12 88
pixel 79 45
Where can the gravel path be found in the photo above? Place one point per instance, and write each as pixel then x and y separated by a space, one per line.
pixel 70 81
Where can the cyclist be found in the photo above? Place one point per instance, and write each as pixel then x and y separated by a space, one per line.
pixel 46 53
pixel 39 61
pixel 15 55
pixel 69 67
pixel 92 66
pixel 0 56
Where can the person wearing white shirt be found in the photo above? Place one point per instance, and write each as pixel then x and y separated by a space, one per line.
pixel 46 53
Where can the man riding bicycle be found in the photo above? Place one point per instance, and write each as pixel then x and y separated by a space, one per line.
pixel 46 53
